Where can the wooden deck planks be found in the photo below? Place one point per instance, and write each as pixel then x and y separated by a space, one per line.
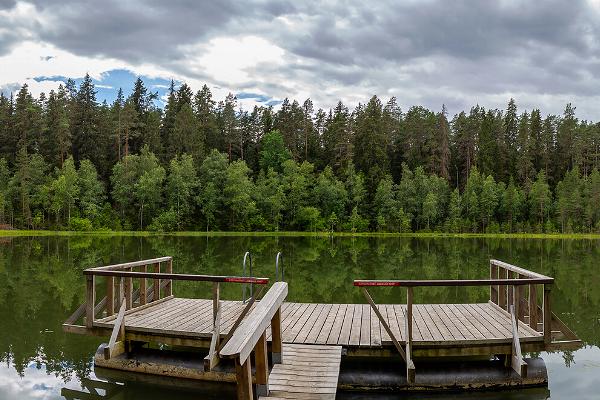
pixel 351 325
pixel 307 372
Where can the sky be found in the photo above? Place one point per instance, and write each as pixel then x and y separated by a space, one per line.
pixel 428 52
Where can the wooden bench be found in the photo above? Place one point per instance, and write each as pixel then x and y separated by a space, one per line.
pixel 250 336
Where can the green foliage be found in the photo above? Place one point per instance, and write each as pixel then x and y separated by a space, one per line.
pixel 273 151
pixel 80 224
pixel 212 164
pixel 167 221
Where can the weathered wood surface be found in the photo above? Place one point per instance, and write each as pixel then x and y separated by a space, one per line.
pixel 307 372
pixel 250 330
pixel 349 325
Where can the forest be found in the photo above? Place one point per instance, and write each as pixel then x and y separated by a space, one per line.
pixel 70 162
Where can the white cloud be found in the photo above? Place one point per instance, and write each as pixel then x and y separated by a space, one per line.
pixel 232 60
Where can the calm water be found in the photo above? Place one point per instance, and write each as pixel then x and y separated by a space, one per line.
pixel 41 283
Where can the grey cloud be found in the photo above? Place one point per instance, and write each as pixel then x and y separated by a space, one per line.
pixel 431 52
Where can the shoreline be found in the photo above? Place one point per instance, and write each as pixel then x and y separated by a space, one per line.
pixel 433 235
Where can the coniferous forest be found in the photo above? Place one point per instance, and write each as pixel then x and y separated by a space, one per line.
pixel 70 162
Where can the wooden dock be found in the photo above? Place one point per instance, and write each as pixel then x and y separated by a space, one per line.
pixel 354 326
pixel 288 338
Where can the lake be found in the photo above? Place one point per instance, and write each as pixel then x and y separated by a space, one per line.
pixel 42 284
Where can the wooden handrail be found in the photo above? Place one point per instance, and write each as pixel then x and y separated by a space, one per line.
pixel 180 277
pixel 247 334
pixel 507 290
pixel 132 264
pixel 518 270
pixel 251 336
pixel 451 282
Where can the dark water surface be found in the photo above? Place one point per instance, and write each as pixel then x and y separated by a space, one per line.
pixel 41 284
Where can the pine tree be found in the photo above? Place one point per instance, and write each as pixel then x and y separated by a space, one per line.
pixel 84 123
pixel 371 143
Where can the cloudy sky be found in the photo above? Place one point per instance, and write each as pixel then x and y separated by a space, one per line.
pixel 425 52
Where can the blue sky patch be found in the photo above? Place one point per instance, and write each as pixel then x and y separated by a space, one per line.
pixel 109 83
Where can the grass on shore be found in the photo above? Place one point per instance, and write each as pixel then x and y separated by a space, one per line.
pixel 12 233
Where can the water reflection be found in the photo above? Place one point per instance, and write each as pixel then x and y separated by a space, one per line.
pixel 42 284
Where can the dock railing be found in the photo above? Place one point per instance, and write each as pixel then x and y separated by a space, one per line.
pixel 251 337
pixel 134 286
pixel 508 285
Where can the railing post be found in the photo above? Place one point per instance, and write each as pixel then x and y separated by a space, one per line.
pixel 493 289
pixel 143 288
pixel 156 283
pixel 409 314
pixel 243 377
pixel 533 308
pixel 523 303
pixel 410 365
pixel 169 287
pixel 261 366
pixel 129 292
pixel 502 274
pixel 110 296
pixel 277 354
pixel 91 300
pixel 547 314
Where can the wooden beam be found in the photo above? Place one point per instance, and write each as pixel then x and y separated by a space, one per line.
pixel 181 277
pixel 129 293
pixel 494 288
pixel 143 288
pixel 261 366
pixel 169 288
pixel 110 296
pixel 523 303
pixel 502 274
pixel 156 282
pixel 547 315
pixel 91 300
pixel 127 265
pixel 212 359
pixel 449 282
pixel 243 377
pixel 118 332
pixel 276 342
pixel 384 323
pixel 410 366
pixel 517 362
pixel 533 307
pixel 519 270
pixel 247 334
pixel 238 321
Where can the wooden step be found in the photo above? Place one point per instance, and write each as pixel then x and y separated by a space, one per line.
pixel 295 378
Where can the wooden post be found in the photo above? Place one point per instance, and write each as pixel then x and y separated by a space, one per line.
pixel 409 313
pixel 410 366
pixel 514 308
pixel 129 293
pixel 169 287
pixel 110 296
pixel 502 274
pixel 156 283
pixel 547 315
pixel 511 292
pixel 276 353
pixel 243 377
pixel 216 296
pixel 143 289
pixel 261 366
pixel 523 303
pixel 533 308
pixel 494 289
pixel 118 292
pixel 91 300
